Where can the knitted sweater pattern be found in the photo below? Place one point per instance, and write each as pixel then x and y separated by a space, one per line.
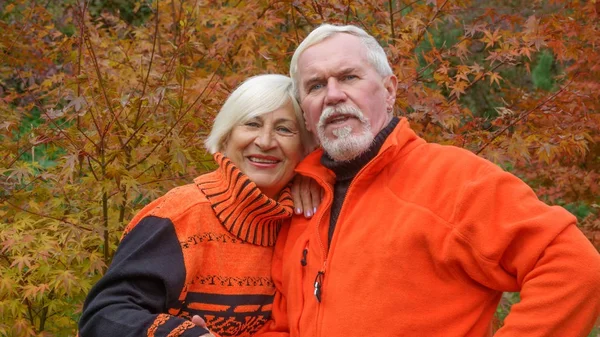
pixel 201 249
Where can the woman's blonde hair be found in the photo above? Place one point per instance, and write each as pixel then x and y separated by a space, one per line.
pixel 256 96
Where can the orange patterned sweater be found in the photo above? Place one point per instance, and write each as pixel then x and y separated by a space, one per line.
pixel 201 249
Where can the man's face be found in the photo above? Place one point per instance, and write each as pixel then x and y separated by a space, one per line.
pixel 344 99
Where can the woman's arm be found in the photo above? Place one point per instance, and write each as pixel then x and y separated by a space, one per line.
pixel 141 287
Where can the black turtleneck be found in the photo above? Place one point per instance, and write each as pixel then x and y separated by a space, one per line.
pixel 345 171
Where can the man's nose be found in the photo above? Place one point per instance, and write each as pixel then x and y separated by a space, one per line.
pixel 334 94
pixel 265 139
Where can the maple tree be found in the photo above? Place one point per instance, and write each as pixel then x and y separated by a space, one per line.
pixel 105 106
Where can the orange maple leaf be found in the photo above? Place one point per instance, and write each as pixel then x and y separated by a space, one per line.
pixel 494 77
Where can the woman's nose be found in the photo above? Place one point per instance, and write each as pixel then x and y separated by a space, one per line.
pixel 265 139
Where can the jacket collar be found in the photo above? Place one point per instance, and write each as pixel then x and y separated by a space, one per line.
pixel 401 141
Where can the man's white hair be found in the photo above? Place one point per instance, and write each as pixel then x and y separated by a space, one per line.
pixel 256 96
pixel 375 53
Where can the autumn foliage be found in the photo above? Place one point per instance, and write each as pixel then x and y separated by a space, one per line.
pixel 104 106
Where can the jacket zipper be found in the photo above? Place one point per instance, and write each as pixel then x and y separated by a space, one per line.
pixel 319 279
pixel 318 283
pixel 321 273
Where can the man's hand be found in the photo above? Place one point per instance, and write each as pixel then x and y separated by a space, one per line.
pixel 201 323
pixel 307 195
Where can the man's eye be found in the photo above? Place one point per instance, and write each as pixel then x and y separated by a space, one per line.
pixel 315 87
pixel 349 77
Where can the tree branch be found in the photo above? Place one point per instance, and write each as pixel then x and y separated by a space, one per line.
pixel 145 83
pixel 522 116
pixel 48 217
pixel 392 22
pixel 406 6
pixel 422 33
pixel 129 167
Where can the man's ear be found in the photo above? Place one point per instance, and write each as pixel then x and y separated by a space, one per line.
pixel 306 123
pixel 390 84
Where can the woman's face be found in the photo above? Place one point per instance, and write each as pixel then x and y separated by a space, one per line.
pixel 267 149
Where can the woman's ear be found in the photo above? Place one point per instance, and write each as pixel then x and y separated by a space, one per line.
pixel 224 145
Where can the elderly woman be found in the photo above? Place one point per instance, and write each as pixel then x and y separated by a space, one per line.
pixel 205 248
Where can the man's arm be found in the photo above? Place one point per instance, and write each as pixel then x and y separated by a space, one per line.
pixel 560 296
pixel 508 240
pixel 143 282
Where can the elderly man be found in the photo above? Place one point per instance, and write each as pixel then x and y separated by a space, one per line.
pixel 412 238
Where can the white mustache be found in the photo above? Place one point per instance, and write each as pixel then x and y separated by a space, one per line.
pixel 340 110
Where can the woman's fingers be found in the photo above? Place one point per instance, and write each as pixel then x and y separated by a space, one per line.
pixel 307 195
pixel 302 195
pixel 296 194
pixel 316 193
pixel 199 321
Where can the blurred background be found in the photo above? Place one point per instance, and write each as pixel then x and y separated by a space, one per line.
pixel 104 105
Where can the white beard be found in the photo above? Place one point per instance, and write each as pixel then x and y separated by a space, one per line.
pixel 345 146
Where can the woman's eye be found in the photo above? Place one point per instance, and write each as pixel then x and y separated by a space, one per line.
pixel 284 130
pixel 252 124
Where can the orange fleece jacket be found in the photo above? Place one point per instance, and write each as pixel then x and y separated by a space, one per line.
pixel 427 239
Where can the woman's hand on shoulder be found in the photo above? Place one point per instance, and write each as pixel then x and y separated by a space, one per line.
pixel 307 195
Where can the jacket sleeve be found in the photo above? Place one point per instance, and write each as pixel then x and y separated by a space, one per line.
pixel 141 285
pixel 277 326
pixel 560 295
pixel 508 240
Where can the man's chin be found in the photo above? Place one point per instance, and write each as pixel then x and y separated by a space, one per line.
pixel 346 149
pixel 339 134
pixel 341 154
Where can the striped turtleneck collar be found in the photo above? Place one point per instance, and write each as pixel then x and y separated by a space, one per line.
pixel 239 204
